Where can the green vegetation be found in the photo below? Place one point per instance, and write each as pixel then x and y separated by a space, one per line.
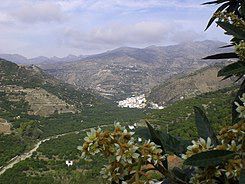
pixel 179 118
pixel 10 146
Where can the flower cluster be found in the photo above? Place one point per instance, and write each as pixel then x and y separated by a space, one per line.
pixel 197 147
pixel 152 153
pixel 240 50
pixel 231 18
pixel 231 138
pixel 126 156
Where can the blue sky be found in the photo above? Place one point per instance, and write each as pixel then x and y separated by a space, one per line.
pixel 61 27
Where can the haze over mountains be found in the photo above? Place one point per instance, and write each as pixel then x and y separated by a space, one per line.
pixel 126 71
pixel 19 59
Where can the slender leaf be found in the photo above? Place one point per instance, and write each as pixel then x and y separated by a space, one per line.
pixel 183 174
pixel 221 8
pixel 223 56
pixel 231 45
pixel 173 144
pixel 209 158
pixel 237 68
pixel 214 2
pixel 169 142
pixel 203 126
pixel 155 137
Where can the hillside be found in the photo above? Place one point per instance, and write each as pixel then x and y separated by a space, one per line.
pixel 126 71
pixel 181 87
pixel 32 85
pixel 178 118
pixel 35 106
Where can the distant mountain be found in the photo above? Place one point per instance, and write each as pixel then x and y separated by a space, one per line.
pixel 127 71
pixel 18 59
pixel 181 87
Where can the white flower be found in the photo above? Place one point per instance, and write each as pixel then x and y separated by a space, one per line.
pixel 241 108
pixel 92 135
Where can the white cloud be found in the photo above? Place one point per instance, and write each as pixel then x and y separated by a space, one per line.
pixel 114 35
pixel 60 27
pixel 5 18
pixel 39 11
pixel 128 4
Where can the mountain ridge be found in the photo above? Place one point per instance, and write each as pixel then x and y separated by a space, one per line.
pixel 128 71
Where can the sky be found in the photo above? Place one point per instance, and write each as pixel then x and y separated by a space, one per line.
pixel 81 27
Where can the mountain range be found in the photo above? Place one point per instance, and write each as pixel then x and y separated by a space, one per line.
pixel 19 59
pixel 126 71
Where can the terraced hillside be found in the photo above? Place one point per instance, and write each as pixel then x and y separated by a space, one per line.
pixel 22 79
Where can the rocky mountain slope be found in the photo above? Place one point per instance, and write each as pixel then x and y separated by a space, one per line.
pixel 181 87
pixel 123 72
pixel 37 93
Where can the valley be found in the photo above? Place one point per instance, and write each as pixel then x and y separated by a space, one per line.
pixel 44 119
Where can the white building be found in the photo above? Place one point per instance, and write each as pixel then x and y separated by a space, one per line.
pixel 69 163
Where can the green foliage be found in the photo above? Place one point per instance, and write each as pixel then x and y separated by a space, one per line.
pixel 209 158
pixel 168 142
pixel 65 147
pixel 229 6
pixel 179 118
pixel 236 69
pixel 30 129
pixel 10 146
pixel 204 126
pixel 155 137
pixel 233 30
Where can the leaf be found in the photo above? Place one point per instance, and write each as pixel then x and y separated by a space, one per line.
pixel 242 177
pixel 155 137
pixel 237 68
pixel 178 173
pixel 172 144
pixel 232 30
pixel 231 45
pixel 221 8
pixel 183 174
pixel 209 158
pixel 169 142
pixel 235 114
pixel 223 56
pixel 214 2
pixel 203 126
